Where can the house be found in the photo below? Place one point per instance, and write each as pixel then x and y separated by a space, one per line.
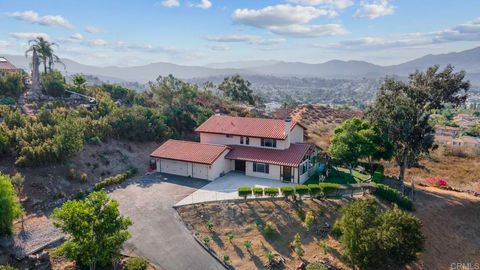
pixel 465 120
pixel 6 67
pixel 446 131
pixel 467 141
pixel 266 148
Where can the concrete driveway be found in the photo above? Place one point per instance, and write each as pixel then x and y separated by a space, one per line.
pixel 157 231
pixel 225 188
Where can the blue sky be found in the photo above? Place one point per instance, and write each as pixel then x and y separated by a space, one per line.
pixel 197 32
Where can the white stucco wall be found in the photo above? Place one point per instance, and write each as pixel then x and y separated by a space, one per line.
pixel 221 165
pixel 296 135
pixel 235 140
pixel 274 171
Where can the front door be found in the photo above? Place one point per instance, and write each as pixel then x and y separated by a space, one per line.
pixel 287 174
pixel 240 165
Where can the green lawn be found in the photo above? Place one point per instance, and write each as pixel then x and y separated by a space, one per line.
pixel 341 176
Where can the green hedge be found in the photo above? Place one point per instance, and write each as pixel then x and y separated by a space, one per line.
pixel 244 192
pixel 314 189
pixel 117 179
pixel 377 176
pixel 272 192
pixel 301 189
pixel 287 191
pixel 392 195
pixel 258 191
pixel 328 188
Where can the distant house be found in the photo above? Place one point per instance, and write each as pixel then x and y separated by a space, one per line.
pixel 467 141
pixel 266 148
pixel 465 120
pixel 446 131
pixel 7 68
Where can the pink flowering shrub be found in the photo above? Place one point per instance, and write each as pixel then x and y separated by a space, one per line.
pixel 436 181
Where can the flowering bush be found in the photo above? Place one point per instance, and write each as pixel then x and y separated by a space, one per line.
pixel 436 181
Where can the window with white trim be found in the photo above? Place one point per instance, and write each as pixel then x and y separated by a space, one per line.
pixel 269 143
pixel 260 167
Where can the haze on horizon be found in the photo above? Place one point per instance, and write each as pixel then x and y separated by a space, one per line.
pixel 198 32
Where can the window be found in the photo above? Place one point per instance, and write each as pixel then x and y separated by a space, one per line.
pixel 304 168
pixel 228 136
pixel 241 140
pixel 260 167
pixel 247 141
pixel 269 143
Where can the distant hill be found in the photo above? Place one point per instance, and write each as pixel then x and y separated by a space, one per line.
pixel 468 60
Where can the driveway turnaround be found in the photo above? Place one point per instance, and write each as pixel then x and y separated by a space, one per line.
pixel 225 188
pixel 157 231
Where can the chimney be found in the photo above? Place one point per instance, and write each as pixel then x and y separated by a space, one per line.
pixel 288 124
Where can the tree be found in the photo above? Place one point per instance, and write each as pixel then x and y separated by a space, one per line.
pixel 53 83
pixel 79 82
pixel 237 89
pixel 44 48
pixel 297 245
pixel 372 239
pixel 402 110
pixel 95 227
pixel 10 208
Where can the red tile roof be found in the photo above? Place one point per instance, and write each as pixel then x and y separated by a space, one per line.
pixel 6 65
pixel 289 157
pixel 189 151
pixel 245 126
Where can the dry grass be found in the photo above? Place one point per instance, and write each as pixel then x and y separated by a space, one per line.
pixel 240 219
pixel 460 172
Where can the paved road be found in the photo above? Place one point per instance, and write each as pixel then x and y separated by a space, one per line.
pixel 157 232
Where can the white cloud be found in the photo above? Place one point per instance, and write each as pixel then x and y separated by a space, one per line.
pixel 338 4
pixel 289 20
pixel 29 35
pixel 213 47
pixel 279 15
pixel 251 39
pixel 34 17
pixel 469 31
pixel 76 36
pixel 374 10
pixel 98 42
pixel 170 3
pixel 298 30
pixel 204 4
pixel 92 29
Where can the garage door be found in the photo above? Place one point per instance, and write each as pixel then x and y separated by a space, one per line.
pixel 200 171
pixel 174 167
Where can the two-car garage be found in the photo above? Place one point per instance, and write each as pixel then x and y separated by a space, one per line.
pixel 191 159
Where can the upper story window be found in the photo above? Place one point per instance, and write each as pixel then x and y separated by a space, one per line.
pixel 247 141
pixel 228 136
pixel 269 143
pixel 241 139
pixel 260 167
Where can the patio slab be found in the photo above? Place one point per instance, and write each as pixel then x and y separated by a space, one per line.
pixel 225 188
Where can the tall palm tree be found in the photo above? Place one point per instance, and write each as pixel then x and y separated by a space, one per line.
pixel 44 48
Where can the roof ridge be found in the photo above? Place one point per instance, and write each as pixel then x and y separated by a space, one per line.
pixel 192 142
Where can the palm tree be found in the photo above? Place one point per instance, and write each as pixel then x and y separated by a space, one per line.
pixel 44 48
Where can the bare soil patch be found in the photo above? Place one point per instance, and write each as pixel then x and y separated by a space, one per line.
pixel 241 219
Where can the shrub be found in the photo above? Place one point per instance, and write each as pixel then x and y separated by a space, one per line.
pixel 436 181
pixel 372 239
pixel 53 83
pixel 117 179
pixel 210 226
pixel 7 100
pixel 300 214
pixel 377 176
pixel 287 191
pixel 83 177
pixel 301 190
pixel 329 188
pixel 269 255
pixel 244 192
pixel 136 263
pixel 206 240
pixel 270 191
pixel 297 244
pixel 316 266
pixel 248 246
pixel 309 219
pixel 7 267
pixel 392 195
pixel 230 236
pixel 257 191
pixel 226 258
pixel 315 190
pixel 269 229
pixel 9 206
pixel 95 140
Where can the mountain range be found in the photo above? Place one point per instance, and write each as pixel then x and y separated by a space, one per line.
pixel 468 60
